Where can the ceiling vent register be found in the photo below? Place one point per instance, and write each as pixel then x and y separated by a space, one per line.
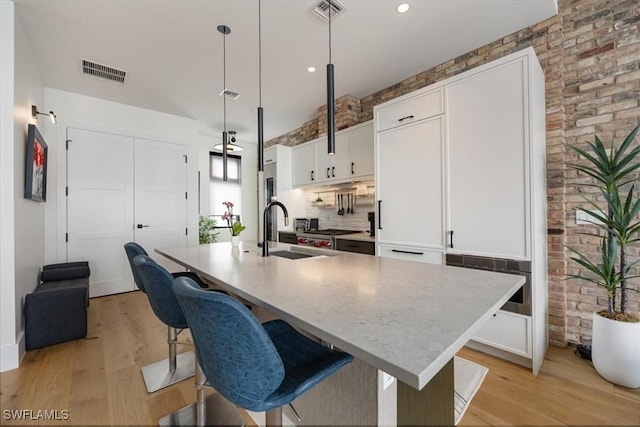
pixel 322 9
pixel 94 69
pixel 230 94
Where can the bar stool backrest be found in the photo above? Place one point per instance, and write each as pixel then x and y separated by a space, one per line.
pixel 133 250
pixel 235 352
pixel 157 282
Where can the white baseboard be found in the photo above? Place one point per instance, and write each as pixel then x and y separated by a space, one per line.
pixel 11 355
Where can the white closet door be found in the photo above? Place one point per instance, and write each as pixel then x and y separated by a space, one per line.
pixel 160 197
pixel 100 207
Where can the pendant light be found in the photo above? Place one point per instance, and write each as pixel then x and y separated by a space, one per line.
pixel 331 115
pixel 260 116
pixel 224 30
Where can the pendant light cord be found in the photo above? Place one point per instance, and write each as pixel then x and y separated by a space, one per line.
pixel 259 53
pixel 330 31
pixel 224 80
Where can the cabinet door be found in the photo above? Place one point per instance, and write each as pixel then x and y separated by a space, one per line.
pixel 361 152
pixel 409 184
pixel 304 164
pixel 488 164
pixel 324 160
pixel 269 155
pixel 342 159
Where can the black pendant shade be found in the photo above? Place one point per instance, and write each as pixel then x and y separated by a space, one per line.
pixel 260 112
pixel 260 141
pixel 331 108
pixel 331 112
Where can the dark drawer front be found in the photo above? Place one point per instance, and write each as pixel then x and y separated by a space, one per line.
pixel 285 237
pixel 358 246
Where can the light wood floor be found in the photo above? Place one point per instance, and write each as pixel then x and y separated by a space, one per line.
pixel 98 380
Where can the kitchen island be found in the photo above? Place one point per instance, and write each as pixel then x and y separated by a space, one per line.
pixel 402 318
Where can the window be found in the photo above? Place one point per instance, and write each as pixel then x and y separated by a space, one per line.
pixel 220 191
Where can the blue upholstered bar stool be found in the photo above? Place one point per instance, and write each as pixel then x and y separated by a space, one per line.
pixel 176 367
pixel 157 282
pixel 259 367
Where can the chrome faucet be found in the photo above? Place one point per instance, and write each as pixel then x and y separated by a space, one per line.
pixel 265 218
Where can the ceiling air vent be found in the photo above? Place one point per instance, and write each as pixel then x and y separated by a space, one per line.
pixel 322 9
pixel 230 94
pixel 94 69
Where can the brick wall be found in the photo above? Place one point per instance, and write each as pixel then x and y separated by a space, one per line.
pixel 590 54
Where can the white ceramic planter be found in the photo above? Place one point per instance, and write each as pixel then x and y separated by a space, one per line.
pixel 615 351
pixel 235 241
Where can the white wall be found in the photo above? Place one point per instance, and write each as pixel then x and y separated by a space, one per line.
pixel 9 357
pixel 249 186
pixel 26 238
pixel 84 112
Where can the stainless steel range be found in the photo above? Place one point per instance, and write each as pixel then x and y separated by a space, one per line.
pixel 322 238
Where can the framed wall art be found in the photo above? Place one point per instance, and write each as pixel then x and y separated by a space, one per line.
pixel 35 187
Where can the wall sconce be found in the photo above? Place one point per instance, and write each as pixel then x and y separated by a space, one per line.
pixel 51 114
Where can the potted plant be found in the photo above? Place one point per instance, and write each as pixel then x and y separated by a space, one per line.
pixel 235 225
pixel 615 331
pixel 206 231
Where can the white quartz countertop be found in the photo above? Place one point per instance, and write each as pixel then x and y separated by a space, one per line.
pixel 405 318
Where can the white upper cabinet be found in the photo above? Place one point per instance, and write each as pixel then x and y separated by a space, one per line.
pixel 361 139
pixel 488 197
pixel 353 158
pixel 270 155
pixel 304 164
pixel 409 109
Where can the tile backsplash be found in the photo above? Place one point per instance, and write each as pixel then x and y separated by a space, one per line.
pixel 327 210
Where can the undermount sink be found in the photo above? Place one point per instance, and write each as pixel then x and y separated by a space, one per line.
pixel 298 253
pixel 291 255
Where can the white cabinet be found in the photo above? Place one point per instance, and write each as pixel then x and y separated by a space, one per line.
pixel 411 253
pixel 353 158
pixel 333 167
pixel 411 108
pixel 304 164
pixel 361 149
pixel 460 168
pixel 270 155
pixel 409 184
pixel 507 331
pixel 488 197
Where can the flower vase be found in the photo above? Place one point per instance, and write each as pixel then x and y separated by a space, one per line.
pixel 235 241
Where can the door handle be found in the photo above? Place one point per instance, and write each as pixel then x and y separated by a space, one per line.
pixel 142 226
pixel 328 173
pixel 405 118
pixel 451 239
pixel 312 178
pixel 352 165
pixel 379 214
pixel 333 171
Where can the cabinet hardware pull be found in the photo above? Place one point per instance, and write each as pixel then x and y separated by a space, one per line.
pixel 407 252
pixel 333 171
pixel 379 214
pixel 352 165
pixel 405 118
pixel 268 160
pixel 328 173
pixel 142 226
pixel 312 178
pixel 451 239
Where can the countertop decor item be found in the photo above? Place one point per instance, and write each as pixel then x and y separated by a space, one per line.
pixel 616 331
pixel 236 226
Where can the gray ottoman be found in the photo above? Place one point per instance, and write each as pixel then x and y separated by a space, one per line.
pixel 56 311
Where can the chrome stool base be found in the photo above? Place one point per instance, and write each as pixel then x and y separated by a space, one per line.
pixel 219 412
pixel 159 375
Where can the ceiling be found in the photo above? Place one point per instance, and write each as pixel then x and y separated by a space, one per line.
pixel 173 54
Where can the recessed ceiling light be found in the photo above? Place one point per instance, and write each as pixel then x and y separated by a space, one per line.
pixel 402 7
pixel 311 69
